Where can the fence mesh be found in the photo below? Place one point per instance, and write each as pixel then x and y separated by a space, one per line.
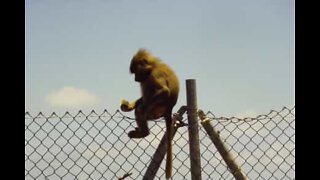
pixel 96 146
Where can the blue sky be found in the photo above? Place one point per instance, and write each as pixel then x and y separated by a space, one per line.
pixel 240 52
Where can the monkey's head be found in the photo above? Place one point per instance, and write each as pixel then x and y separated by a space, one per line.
pixel 142 65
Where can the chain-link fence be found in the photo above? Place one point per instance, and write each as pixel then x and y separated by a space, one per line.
pixel 96 146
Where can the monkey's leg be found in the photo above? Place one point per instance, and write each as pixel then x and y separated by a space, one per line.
pixel 142 130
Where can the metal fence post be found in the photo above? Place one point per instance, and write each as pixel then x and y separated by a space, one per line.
pixel 193 128
pixel 222 149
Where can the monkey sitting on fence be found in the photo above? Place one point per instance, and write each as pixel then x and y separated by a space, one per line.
pixel 159 94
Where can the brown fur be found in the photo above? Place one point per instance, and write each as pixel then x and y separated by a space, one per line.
pixel 160 90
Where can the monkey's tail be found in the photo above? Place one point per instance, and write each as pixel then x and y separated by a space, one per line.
pixel 169 126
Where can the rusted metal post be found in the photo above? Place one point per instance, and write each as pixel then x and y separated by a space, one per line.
pixel 225 154
pixel 162 147
pixel 193 128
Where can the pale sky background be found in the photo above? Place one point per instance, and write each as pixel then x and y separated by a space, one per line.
pixel 240 52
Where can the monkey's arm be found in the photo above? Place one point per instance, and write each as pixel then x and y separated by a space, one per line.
pixel 161 89
pixel 157 105
pixel 126 106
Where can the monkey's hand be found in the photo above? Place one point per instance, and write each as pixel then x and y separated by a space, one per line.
pixel 126 106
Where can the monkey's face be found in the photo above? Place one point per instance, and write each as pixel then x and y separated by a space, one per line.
pixel 141 69
pixel 141 65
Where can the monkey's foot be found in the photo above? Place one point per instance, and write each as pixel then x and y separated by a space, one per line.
pixel 138 133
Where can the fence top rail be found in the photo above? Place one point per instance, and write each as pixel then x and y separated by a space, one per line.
pixel 283 112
